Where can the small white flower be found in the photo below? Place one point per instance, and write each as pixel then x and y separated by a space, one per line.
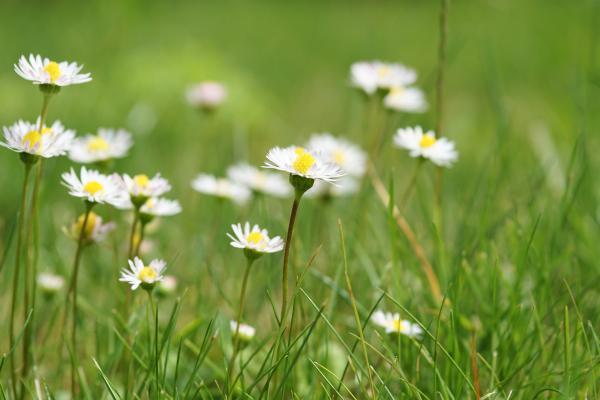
pixel 373 75
pixel 246 332
pixel 207 95
pixel 139 274
pixel 346 186
pixel 108 144
pixel 301 162
pixel 168 285
pixel 160 207
pixel 24 137
pixel 408 99
pixel 440 151
pixel 221 187
pixel 95 187
pixel 259 181
pixel 393 324
pixel 346 155
pixel 142 186
pixel 254 239
pixel 95 229
pixel 44 71
pixel 49 282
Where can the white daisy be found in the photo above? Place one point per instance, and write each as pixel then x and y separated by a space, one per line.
pixel 259 181
pixel 221 187
pixel 140 274
pixel 440 151
pixel 373 75
pixel 43 71
pixel 95 229
pixel 160 207
pixel 304 163
pixel 140 186
pixel 346 155
pixel 206 95
pixel 254 239
pixel 50 283
pixel 408 99
pixel 393 324
pixel 346 186
pixel 24 137
pixel 107 144
pixel 95 187
pixel 246 332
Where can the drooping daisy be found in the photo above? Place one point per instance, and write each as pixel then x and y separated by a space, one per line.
pixel 221 187
pixel 143 275
pixel 106 145
pixel 95 187
pixel 440 151
pixel 256 240
pixel 24 137
pixel 245 332
pixel 259 181
pixel 95 230
pixel 304 163
pixel 346 155
pixel 43 71
pixel 206 95
pixel 393 324
pixel 373 75
pixel 407 99
pixel 346 186
pixel 50 283
pixel 141 187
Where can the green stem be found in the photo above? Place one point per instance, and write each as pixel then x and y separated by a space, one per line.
pixel 411 184
pixel 21 223
pixel 286 256
pixel 236 340
pixel 134 224
pixel 155 314
pixel 139 243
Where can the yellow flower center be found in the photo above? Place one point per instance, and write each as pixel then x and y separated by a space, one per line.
pixel 304 161
pixel 396 91
pixel 255 238
pixel 383 71
pixel 339 157
pixel 427 141
pixel 32 138
pixel 89 226
pixel 141 180
pixel 93 187
pixel 46 130
pixel 97 144
pixel 53 70
pixel 147 274
pixel 149 204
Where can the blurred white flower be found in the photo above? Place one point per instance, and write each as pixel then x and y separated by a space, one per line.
pixel 304 163
pixel 142 186
pixel 408 99
pixel 393 324
pixel 24 137
pixel 440 151
pixel 160 207
pixel 222 188
pixel 346 155
pixel 345 186
pixel 372 75
pixel 139 274
pixel 254 239
pixel 95 230
pixel 168 285
pixel 95 187
pixel 108 144
pixel 259 181
pixel 43 71
pixel 50 283
pixel 246 332
pixel 206 95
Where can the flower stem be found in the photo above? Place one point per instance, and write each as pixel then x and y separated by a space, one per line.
pixel 286 256
pixel 411 184
pixel 236 339
pixel 21 223
pixel 73 291
pixel 139 243
pixel 155 314
pixel 134 224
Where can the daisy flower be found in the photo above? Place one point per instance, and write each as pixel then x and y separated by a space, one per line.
pixel 95 229
pixel 43 71
pixel 107 144
pixel 24 137
pixel 50 283
pixel 159 207
pixel 346 155
pixel 140 187
pixel 393 324
pixel 222 188
pixel 408 99
pixel 259 181
pixel 245 332
pixel 304 163
pixel 206 95
pixel 440 151
pixel 256 240
pixel 346 186
pixel 139 274
pixel 372 75
pixel 95 187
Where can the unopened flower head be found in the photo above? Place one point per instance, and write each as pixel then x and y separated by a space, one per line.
pixel 95 229
pixel 245 332
pixel 106 145
pixel 95 187
pixel 25 137
pixel 440 151
pixel 50 283
pixel 206 95
pixel 259 181
pixel 407 99
pixel 373 75
pixel 254 241
pixel 43 71
pixel 346 155
pixel 345 186
pixel 139 274
pixel 141 187
pixel 394 325
pixel 301 162
pixel 221 187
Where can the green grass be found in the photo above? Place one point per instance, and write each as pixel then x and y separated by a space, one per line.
pixel 516 253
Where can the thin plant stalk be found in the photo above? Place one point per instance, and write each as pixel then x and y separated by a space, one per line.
pixel 141 239
pixel 21 224
pixel 134 225
pixel 411 184
pixel 286 256
pixel 154 307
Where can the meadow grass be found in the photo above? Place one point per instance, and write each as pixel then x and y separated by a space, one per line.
pixel 503 278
